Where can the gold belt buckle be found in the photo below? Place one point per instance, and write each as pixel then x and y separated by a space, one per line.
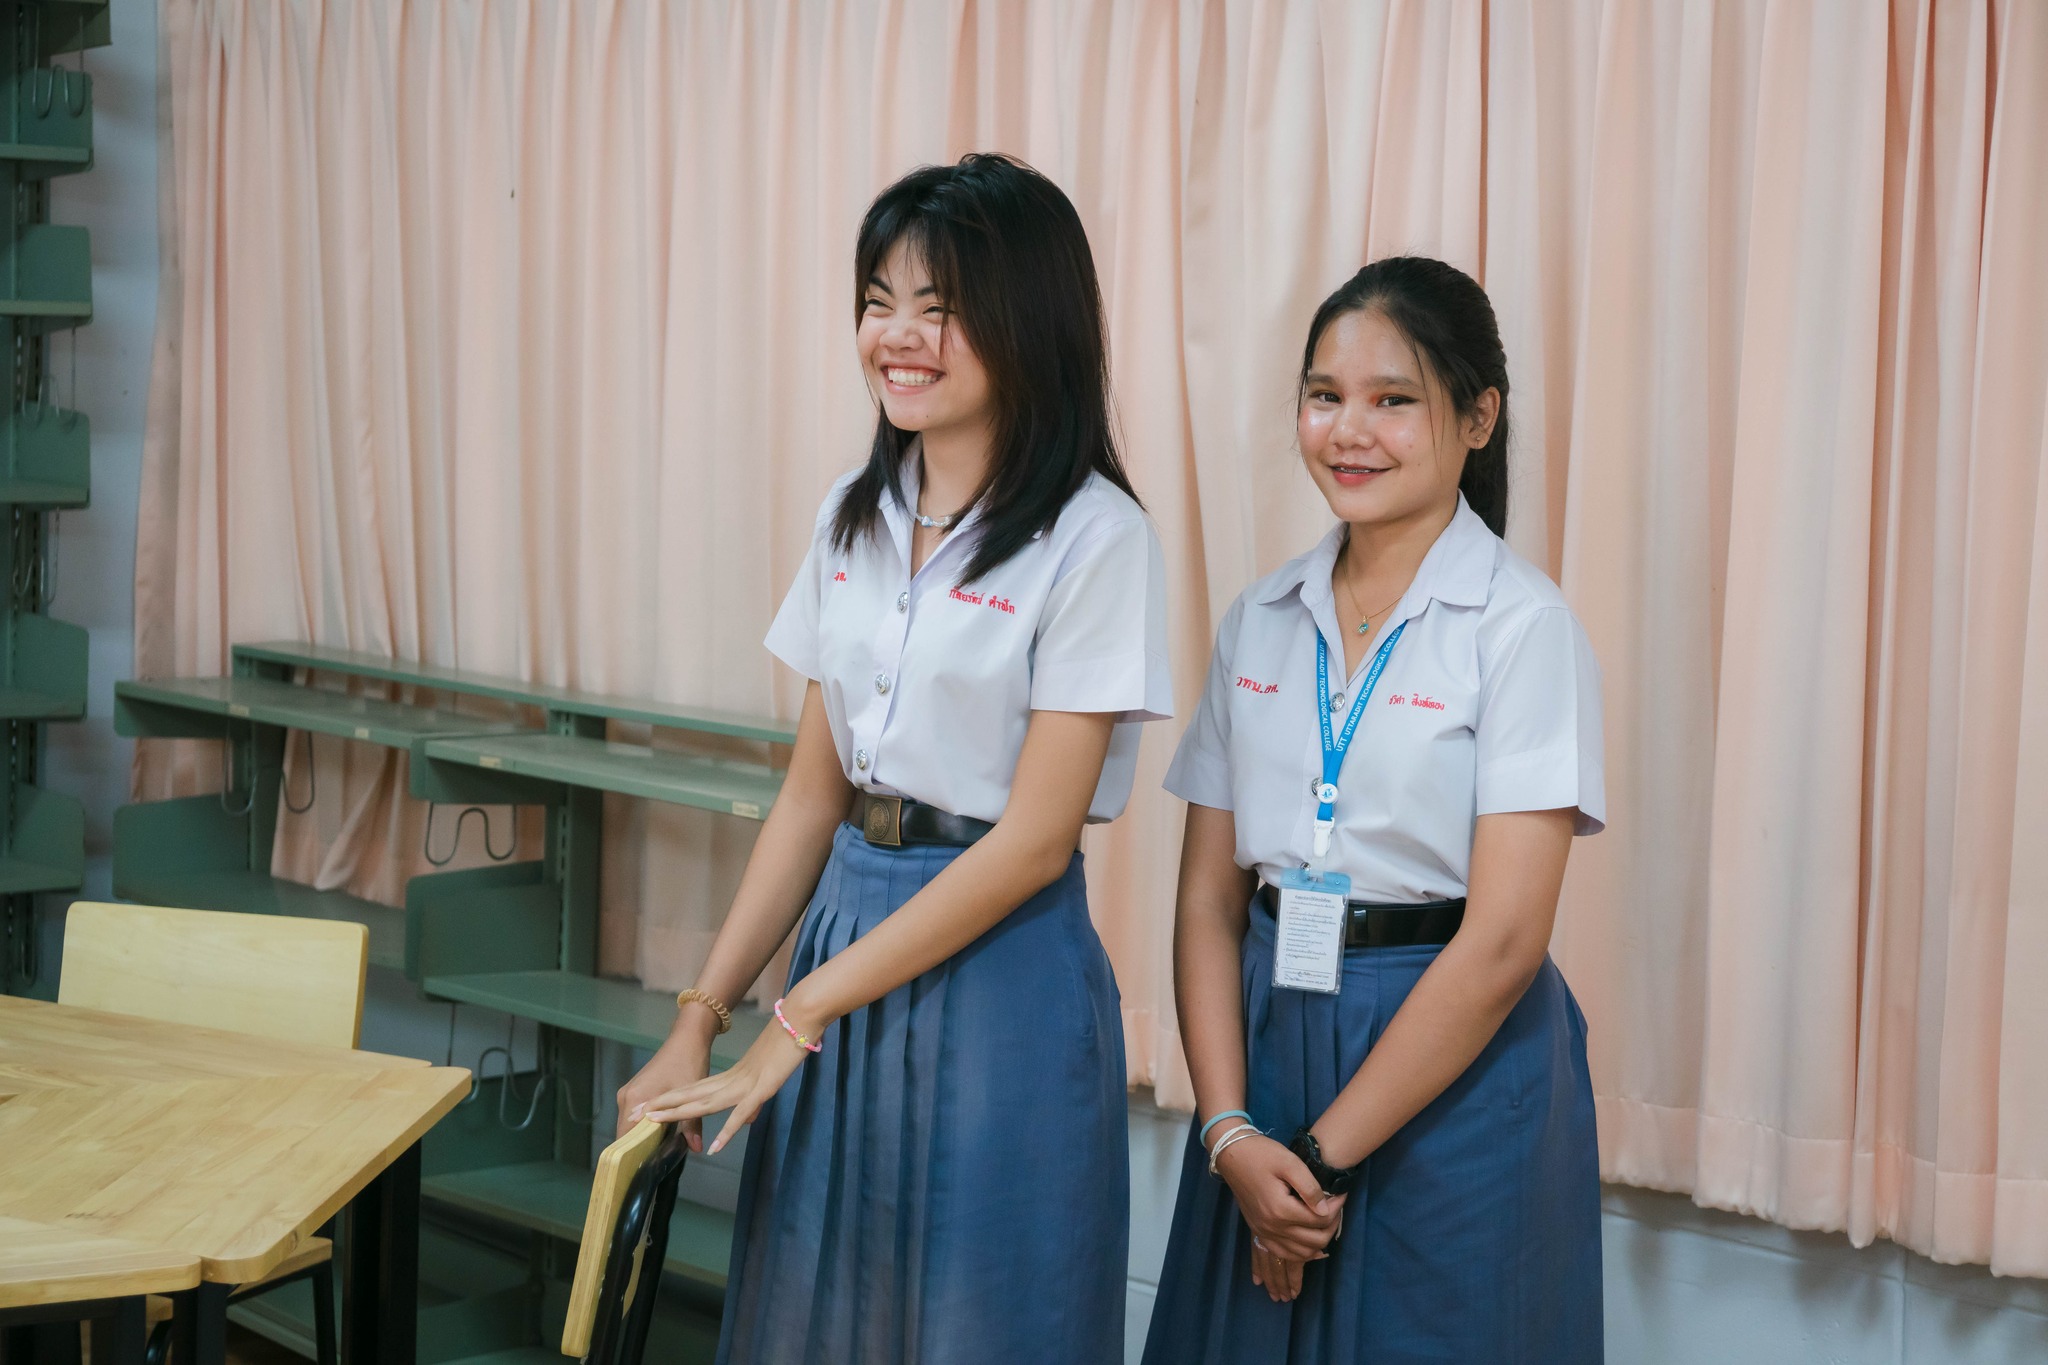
pixel 883 823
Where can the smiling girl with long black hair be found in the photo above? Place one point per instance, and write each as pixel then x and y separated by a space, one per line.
pixel 937 1168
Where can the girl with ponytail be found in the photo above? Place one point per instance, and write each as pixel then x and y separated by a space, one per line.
pixel 1394 1154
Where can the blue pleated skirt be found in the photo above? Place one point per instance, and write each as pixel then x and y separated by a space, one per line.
pixel 1474 1236
pixel 948 1181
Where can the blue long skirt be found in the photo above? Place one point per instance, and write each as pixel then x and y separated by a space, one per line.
pixel 1474 1236
pixel 948 1181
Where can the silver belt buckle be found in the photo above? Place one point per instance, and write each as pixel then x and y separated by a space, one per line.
pixel 883 822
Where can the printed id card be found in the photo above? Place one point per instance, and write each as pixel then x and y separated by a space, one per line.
pixel 1308 934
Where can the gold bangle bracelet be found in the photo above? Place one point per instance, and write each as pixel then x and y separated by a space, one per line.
pixel 711 1003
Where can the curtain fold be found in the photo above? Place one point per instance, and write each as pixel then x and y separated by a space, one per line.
pixel 516 335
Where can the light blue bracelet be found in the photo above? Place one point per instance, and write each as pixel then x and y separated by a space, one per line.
pixel 1203 1136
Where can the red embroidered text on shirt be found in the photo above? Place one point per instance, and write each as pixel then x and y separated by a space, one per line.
pixel 1252 685
pixel 1002 604
pixel 839 577
pixel 1412 699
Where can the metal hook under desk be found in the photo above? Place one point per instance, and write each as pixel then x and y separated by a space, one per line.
pixel 76 104
pixel 511 1090
pixel 549 1076
pixel 312 775
pixel 427 840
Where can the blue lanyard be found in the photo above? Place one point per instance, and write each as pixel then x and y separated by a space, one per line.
pixel 1334 748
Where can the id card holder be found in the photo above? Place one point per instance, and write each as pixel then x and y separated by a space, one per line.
pixel 1308 933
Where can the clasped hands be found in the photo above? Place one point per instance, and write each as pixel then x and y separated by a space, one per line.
pixel 1291 1219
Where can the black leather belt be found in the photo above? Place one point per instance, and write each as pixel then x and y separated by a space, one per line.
pixel 893 821
pixel 1388 926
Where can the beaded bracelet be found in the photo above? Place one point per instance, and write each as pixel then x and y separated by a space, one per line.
pixel 1203 1136
pixel 715 1005
pixel 1237 1134
pixel 791 1029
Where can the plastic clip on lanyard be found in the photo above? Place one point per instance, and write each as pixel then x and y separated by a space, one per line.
pixel 1334 748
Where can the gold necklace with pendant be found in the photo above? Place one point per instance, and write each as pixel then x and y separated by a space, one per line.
pixel 1365 621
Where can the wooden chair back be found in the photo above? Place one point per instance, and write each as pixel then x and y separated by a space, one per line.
pixel 298 980
pixel 625 1236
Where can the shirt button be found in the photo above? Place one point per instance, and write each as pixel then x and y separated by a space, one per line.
pixel 882 683
pixel 860 759
pixel 903 601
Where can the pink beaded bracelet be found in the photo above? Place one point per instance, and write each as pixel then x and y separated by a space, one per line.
pixel 789 1028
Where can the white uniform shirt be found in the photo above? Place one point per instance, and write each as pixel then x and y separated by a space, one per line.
pixel 1490 702
pixel 930 685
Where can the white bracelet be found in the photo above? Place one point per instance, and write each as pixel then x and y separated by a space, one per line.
pixel 1237 1134
pixel 1229 1132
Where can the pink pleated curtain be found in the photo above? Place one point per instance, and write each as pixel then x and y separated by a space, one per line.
pixel 516 334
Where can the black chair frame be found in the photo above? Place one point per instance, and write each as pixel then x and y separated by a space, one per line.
pixel 619 1336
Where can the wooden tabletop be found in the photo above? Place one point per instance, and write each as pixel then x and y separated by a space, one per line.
pixel 225 1147
pixel 40 1264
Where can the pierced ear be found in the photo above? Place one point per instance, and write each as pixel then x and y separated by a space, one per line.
pixel 1479 422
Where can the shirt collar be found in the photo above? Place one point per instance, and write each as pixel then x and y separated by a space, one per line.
pixel 1457 571
pixel 897 515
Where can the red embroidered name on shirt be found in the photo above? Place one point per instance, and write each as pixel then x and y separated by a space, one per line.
pixel 839 577
pixel 975 599
pixel 1426 703
pixel 1253 685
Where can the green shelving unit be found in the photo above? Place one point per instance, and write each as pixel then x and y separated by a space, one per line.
pixel 46 277
pixel 46 107
pixel 517 937
pixel 45 458
pixel 42 668
pixel 45 842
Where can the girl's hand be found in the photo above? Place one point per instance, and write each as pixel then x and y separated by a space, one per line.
pixel 1287 1211
pixel 1278 1276
pixel 742 1088
pixel 681 1061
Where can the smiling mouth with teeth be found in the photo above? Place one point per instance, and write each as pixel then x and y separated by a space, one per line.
pixel 910 379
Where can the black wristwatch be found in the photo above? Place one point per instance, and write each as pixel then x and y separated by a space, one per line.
pixel 1333 1179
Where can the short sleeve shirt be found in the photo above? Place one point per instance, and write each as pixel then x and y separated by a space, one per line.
pixel 1490 702
pixel 930 683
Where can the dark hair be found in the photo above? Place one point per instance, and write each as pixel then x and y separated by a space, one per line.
pixel 1010 260
pixel 1449 320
